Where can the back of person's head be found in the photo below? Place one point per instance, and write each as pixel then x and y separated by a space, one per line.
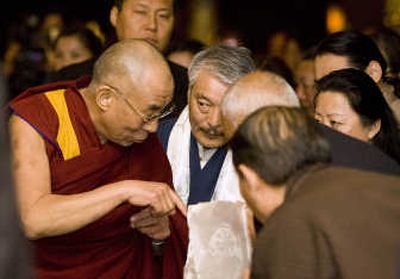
pixel 182 53
pixel 191 45
pixel 278 66
pixel 388 42
pixel 226 63
pixel 277 142
pixel 253 91
pixel 126 58
pixel 366 99
pixel 359 48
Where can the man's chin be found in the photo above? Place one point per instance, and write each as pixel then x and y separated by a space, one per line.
pixel 207 143
pixel 132 141
pixel 153 42
pixel 139 140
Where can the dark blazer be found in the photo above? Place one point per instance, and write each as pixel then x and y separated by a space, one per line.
pixel 334 223
pixel 353 153
pixel 179 74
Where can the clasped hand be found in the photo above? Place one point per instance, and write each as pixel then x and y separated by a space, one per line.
pixel 160 201
pixel 154 227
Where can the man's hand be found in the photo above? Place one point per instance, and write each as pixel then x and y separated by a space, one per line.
pixel 154 227
pixel 161 199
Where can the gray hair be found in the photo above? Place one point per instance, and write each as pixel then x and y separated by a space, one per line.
pixel 226 63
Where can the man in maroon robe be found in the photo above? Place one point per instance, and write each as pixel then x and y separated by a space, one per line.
pixel 92 180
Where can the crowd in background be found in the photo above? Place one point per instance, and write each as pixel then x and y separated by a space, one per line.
pixel 32 49
pixel 362 102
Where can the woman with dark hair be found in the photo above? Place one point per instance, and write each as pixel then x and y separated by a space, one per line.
pixel 74 45
pixel 350 102
pixel 351 49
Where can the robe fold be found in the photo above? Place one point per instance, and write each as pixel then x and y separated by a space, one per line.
pixel 109 247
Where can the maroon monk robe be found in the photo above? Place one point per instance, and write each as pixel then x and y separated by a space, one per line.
pixel 109 247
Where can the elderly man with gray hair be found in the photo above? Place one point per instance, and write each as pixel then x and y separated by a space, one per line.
pixel 195 142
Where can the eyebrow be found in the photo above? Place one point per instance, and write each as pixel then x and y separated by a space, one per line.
pixel 201 96
pixel 336 114
pixel 329 114
pixel 143 5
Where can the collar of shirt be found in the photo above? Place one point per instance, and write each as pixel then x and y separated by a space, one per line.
pixel 205 154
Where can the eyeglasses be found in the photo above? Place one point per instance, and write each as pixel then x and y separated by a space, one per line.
pixel 168 109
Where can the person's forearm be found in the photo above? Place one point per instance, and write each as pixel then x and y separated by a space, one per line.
pixel 54 215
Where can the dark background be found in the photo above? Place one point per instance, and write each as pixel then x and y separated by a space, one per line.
pixel 254 19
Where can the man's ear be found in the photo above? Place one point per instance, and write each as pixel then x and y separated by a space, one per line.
pixel 113 16
pixel 375 128
pixel 374 70
pixel 104 98
pixel 250 176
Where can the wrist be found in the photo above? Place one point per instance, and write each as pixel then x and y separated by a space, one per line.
pixel 123 190
pixel 158 247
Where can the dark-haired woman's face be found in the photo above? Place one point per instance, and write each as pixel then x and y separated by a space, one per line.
pixel 70 50
pixel 327 63
pixel 333 110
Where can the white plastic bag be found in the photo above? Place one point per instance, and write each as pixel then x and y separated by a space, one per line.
pixel 219 242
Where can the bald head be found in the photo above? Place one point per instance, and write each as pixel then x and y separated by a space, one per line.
pixel 131 86
pixel 251 92
pixel 130 58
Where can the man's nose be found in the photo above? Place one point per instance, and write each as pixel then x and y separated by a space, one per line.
pixel 326 122
pixel 214 118
pixel 152 21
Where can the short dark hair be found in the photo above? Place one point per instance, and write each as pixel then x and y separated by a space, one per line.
pixel 191 45
pixel 277 142
pixel 278 66
pixel 119 3
pixel 359 48
pixel 367 100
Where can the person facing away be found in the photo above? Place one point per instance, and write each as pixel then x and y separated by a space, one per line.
pixel 350 102
pixel 182 53
pixel 259 89
pixel 150 20
pixel 388 42
pixel 92 179
pixel 195 143
pixel 318 218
